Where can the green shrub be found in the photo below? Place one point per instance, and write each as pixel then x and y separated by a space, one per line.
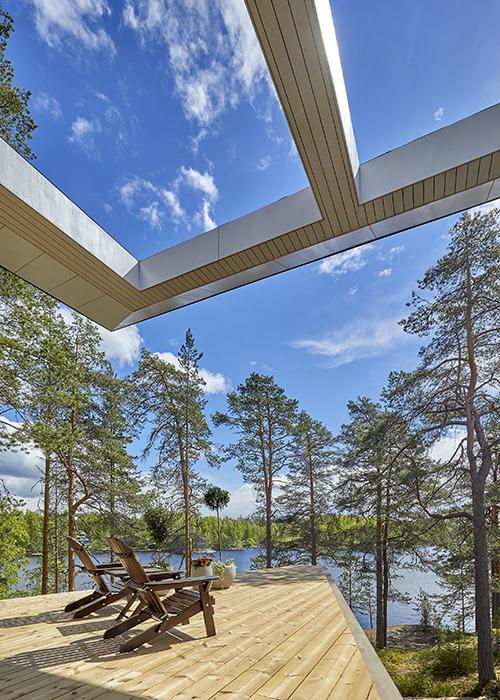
pixel 455 655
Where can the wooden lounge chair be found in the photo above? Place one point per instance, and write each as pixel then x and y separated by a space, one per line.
pixel 106 593
pixel 170 603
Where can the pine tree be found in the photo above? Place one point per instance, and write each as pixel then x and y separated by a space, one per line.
pixel 263 418
pixel 171 399
pixel 372 484
pixel 16 122
pixel 307 491
pixel 455 386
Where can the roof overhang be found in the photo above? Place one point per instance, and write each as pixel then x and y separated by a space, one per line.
pixel 49 241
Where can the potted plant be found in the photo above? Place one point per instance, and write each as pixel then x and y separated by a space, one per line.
pixel 202 566
pixel 229 575
pixel 226 571
pixel 218 568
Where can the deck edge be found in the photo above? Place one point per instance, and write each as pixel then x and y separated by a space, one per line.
pixel 382 680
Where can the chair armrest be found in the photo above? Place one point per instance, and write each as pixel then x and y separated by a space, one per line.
pixel 181 583
pixel 153 574
pixel 109 565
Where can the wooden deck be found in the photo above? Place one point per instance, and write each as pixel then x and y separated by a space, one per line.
pixel 281 633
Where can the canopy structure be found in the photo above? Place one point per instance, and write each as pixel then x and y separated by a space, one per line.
pixel 47 240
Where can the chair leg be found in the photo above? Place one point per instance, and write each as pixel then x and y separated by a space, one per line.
pixel 139 639
pixel 127 607
pixel 83 601
pixel 98 604
pixel 208 611
pixel 166 624
pixel 127 624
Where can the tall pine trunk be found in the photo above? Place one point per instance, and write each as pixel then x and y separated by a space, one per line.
pixel 187 523
pixel 269 530
pixel 71 522
pixel 312 511
pixel 486 668
pixel 380 637
pixel 495 561
pixel 46 525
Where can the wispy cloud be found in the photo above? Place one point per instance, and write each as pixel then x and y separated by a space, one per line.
pixel 215 382
pixel 264 163
pixel 209 77
pixel 342 263
pixel 386 272
pixel 83 132
pixel 204 182
pixel 45 104
pixel 154 203
pixel 203 217
pixel 66 24
pixel 439 114
pixel 361 339
pixel 151 201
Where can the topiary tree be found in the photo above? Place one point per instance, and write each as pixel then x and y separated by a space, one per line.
pixel 217 499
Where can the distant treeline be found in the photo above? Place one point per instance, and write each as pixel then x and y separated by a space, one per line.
pixel 236 533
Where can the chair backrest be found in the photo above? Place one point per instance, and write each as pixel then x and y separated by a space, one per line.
pixel 138 576
pixel 88 564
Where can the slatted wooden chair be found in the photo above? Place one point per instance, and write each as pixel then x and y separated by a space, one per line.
pixel 170 603
pixel 107 592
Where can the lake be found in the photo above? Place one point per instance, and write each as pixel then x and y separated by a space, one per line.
pixel 408 581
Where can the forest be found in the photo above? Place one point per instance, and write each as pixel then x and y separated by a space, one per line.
pixel 370 498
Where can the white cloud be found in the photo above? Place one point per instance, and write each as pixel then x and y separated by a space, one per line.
pixel 152 215
pixel 123 345
pixel 152 202
pixel 73 23
pixel 196 140
pixel 342 263
pixel 444 448
pixel 173 204
pixel 204 218
pixel 83 132
pixel 358 340
pixel 264 163
pixel 439 113
pixel 353 290
pixel 204 182
pixel 386 272
pixel 209 77
pixel 101 96
pixel 215 382
pixel 396 250
pixel 20 469
pixel 45 104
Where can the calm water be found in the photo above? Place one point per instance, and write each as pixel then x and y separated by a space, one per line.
pixel 409 581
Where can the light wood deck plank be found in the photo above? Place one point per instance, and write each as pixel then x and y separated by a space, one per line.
pixel 281 633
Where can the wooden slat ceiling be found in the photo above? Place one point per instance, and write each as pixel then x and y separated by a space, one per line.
pixel 290 34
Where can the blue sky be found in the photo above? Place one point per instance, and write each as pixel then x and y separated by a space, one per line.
pixel 158 118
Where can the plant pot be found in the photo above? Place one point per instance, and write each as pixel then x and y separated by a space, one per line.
pixel 202 570
pixel 219 584
pixel 229 576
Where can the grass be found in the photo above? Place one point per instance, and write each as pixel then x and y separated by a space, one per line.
pixel 443 670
